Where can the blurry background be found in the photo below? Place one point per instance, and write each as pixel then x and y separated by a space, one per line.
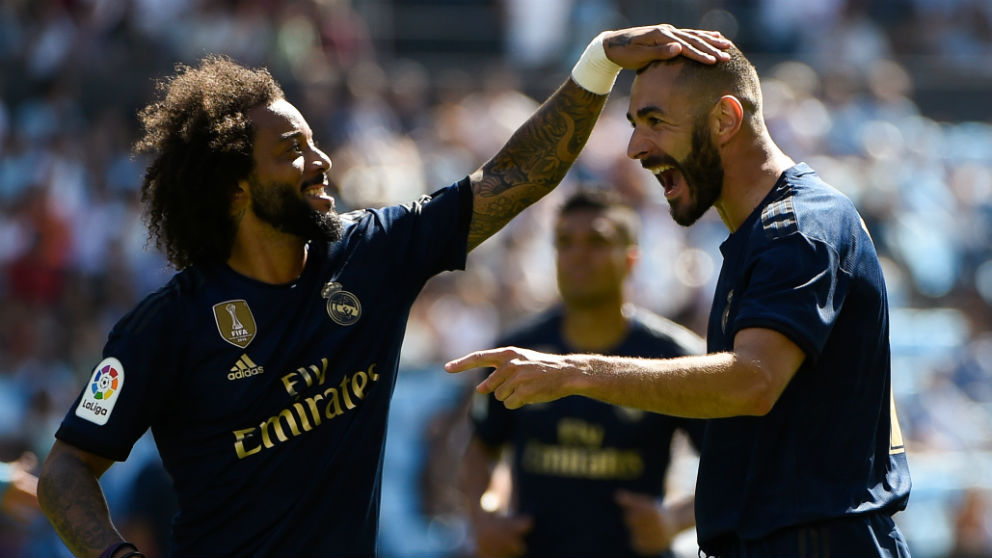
pixel 887 99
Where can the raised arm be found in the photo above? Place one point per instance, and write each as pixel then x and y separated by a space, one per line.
pixel 70 495
pixel 540 152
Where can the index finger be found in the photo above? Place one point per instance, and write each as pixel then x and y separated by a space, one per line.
pixel 491 358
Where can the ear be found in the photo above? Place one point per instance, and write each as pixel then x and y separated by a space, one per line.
pixel 632 256
pixel 726 118
pixel 240 196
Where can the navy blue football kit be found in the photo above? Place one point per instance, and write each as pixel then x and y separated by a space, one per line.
pixel 268 403
pixel 828 460
pixel 570 456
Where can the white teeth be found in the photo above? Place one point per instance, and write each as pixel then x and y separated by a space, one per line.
pixel 661 169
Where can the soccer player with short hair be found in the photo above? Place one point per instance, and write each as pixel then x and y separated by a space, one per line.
pixel 803 455
pixel 265 367
pixel 588 477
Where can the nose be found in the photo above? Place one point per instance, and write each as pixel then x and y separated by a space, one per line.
pixel 322 161
pixel 637 147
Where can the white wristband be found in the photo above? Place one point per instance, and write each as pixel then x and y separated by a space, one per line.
pixel 594 72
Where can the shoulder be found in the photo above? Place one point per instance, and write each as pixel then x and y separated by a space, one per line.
pixel 806 204
pixel 667 331
pixel 163 308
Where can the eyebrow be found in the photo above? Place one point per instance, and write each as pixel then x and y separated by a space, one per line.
pixel 644 111
pixel 289 135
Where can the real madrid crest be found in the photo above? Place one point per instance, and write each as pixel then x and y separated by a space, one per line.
pixel 343 307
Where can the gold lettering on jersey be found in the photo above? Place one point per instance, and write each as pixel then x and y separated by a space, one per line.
pixel 579 454
pixel 576 432
pixel 305 413
pixel 235 322
pixel 579 462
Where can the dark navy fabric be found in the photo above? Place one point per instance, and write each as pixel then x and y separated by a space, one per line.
pixel 803 264
pixel 855 536
pixel 573 454
pixel 275 449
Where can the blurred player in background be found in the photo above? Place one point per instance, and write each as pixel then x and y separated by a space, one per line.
pixel 804 456
pixel 265 367
pixel 19 488
pixel 588 478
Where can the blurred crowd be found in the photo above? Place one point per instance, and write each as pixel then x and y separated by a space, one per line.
pixel 873 94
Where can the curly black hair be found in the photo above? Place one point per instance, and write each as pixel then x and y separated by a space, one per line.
pixel 200 140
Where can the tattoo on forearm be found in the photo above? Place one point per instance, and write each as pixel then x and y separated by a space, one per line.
pixel 534 160
pixel 77 509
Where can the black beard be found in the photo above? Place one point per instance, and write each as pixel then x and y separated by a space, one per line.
pixel 702 170
pixel 276 205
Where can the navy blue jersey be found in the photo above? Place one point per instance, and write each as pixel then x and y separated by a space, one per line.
pixel 803 264
pixel 571 455
pixel 268 403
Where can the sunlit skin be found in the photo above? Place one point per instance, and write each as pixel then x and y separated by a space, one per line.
pixel 271 206
pixel 745 381
pixel 672 140
pixel 593 258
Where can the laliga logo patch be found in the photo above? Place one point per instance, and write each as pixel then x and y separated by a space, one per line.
pixel 342 306
pixel 235 322
pixel 99 398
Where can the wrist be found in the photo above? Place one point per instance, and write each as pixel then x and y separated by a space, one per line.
pixel 120 550
pixel 594 71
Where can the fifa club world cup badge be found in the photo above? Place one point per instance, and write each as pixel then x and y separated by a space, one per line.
pixel 235 322
pixel 342 306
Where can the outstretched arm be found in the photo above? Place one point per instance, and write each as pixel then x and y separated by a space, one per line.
pixel 70 495
pixel 746 381
pixel 540 152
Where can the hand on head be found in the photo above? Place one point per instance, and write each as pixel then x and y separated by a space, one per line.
pixel 636 47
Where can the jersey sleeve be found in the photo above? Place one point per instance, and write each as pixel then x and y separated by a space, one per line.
pixel 126 390
pixel 429 235
pixel 796 287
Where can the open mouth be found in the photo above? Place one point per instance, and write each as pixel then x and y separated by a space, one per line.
pixel 669 177
pixel 315 191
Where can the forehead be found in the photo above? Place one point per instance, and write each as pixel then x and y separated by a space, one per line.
pixel 658 88
pixel 276 121
pixel 581 221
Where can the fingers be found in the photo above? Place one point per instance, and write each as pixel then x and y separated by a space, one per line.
pixel 491 358
pixel 702 46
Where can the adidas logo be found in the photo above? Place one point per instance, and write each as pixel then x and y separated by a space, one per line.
pixel 244 368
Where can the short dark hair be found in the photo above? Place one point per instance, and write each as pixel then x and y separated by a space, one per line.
pixel 201 141
pixel 600 198
pixel 708 82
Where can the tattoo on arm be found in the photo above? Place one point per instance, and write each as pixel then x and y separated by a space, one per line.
pixel 619 41
pixel 534 160
pixel 73 501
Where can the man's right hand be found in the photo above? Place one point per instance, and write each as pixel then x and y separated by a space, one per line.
pixel 636 47
pixel 499 536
